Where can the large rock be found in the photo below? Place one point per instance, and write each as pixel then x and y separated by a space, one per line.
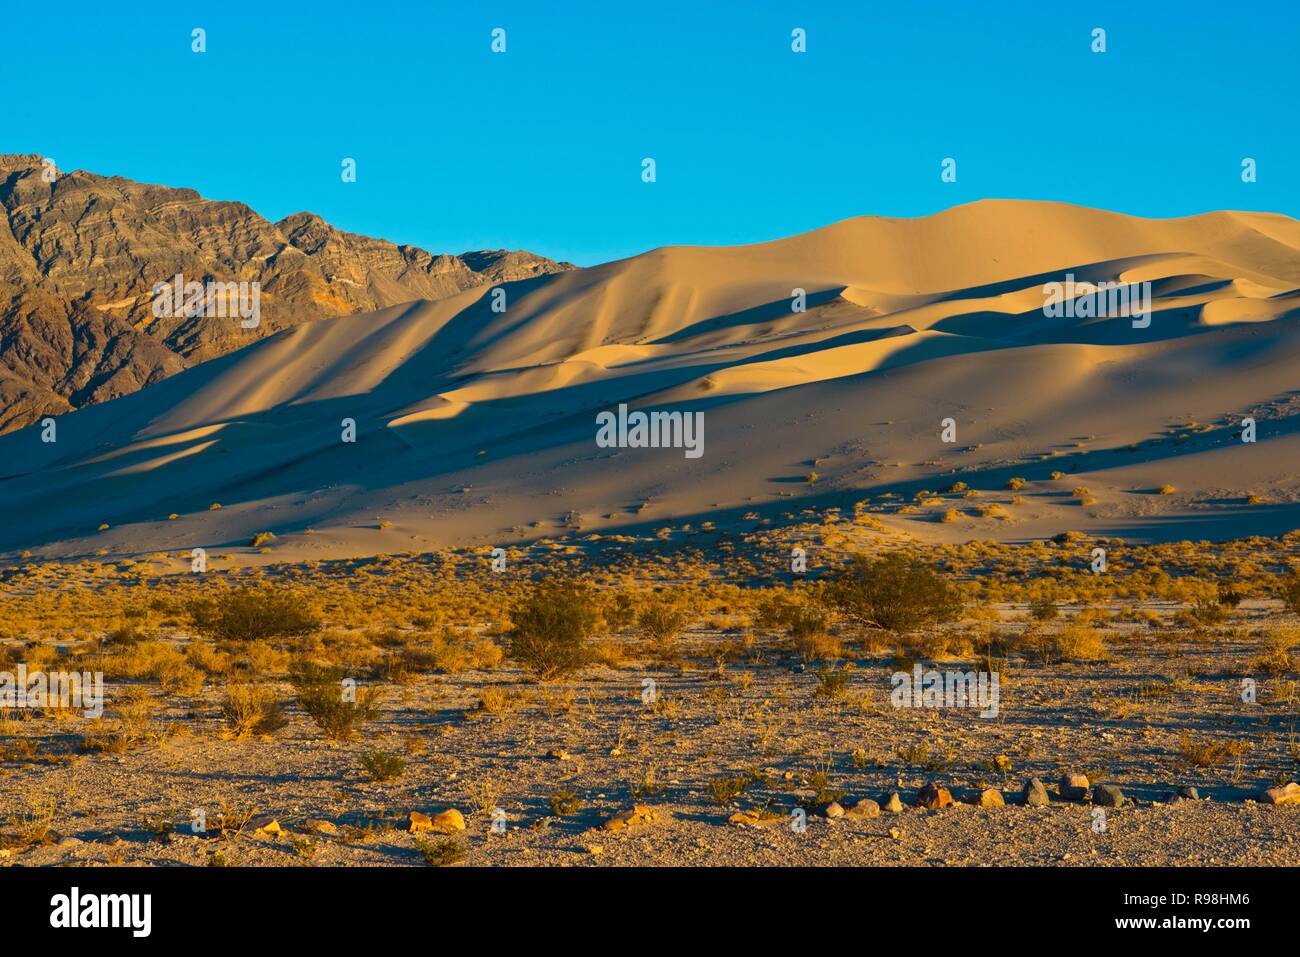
pixel 449 821
pixel 1287 794
pixel 418 823
pixel 894 804
pixel 934 797
pixel 1074 786
pixel 1034 794
pixel 1107 795
pixel 989 797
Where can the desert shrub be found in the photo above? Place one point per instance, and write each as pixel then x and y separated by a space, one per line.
pixel 895 593
pixel 832 684
pixel 619 610
pixel 1275 657
pixel 441 853
pixel 565 802
pixel 1288 589
pixel 249 614
pixel 661 619
pixel 776 610
pixel 726 789
pixel 1043 608
pixel 1210 753
pixel 180 678
pixel 1229 597
pixel 382 767
pixel 1207 611
pixel 499 701
pixel 251 710
pixel 1075 642
pixel 321 694
pixel 552 626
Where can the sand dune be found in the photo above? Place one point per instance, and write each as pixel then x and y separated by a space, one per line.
pixel 473 424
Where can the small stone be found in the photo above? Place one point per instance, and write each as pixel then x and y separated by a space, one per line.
pixel 833 810
pixel 990 797
pixel 895 833
pixel 1074 786
pixel 449 821
pixel 595 850
pixel 264 825
pixel 418 823
pixel 1189 794
pixel 71 842
pixel 321 826
pixel 558 754
pixel 934 797
pixel 1034 794
pixel 1287 794
pixel 1107 795
pixel 894 804
pixel 863 809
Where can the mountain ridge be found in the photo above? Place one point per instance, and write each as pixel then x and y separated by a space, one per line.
pixel 79 256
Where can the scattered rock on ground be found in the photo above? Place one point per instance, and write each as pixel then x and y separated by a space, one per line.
pixel 1074 786
pixel 264 825
pixel 989 797
pixel 1035 794
pixel 932 796
pixel 894 804
pixel 449 821
pixel 864 809
pixel 1107 795
pixel 636 816
pixel 1287 794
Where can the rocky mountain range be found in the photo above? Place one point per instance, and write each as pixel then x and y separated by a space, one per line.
pixel 80 255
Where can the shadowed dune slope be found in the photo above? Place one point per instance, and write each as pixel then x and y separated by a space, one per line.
pixel 472 424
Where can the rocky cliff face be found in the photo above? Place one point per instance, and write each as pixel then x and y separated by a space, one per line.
pixel 80 255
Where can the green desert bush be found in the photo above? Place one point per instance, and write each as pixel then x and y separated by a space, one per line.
pixel 552 626
pixel 382 767
pixel 894 593
pixel 253 614
pixel 327 701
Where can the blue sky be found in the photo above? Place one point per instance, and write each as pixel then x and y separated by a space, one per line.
pixel 541 147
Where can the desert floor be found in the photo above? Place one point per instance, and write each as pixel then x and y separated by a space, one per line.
pixel 1163 710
